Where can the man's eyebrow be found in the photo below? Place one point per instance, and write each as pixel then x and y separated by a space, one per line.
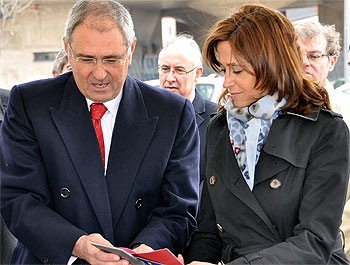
pixel 117 56
pixel 315 51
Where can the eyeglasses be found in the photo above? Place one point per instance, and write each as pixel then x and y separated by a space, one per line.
pixel 92 61
pixel 164 69
pixel 315 57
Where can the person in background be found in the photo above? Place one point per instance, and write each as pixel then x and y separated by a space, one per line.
pixel 61 64
pixel 89 157
pixel 180 67
pixel 345 226
pixel 277 157
pixel 346 85
pixel 321 47
pixel 4 97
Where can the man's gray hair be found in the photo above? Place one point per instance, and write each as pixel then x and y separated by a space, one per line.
pixel 311 29
pixel 60 60
pixel 84 9
pixel 188 40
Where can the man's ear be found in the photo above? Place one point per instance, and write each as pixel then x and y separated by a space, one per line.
pixel 66 48
pixel 132 49
pixel 199 72
pixel 332 61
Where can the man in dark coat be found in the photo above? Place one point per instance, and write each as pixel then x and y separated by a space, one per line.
pixel 89 156
pixel 180 66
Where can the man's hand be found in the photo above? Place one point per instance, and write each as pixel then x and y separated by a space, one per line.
pixel 84 250
pixel 143 248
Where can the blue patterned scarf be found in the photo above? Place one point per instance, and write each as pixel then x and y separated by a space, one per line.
pixel 249 128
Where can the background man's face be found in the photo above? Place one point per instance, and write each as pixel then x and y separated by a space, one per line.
pixel 181 84
pixel 317 70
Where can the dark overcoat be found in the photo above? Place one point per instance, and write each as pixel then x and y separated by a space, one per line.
pixel 203 109
pixel 53 187
pixel 293 214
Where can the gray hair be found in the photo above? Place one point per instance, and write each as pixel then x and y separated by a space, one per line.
pixel 311 29
pixel 186 39
pixel 101 8
pixel 60 60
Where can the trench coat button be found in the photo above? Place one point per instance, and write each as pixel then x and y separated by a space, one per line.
pixel 46 260
pixel 275 183
pixel 138 203
pixel 65 193
pixel 220 228
pixel 212 180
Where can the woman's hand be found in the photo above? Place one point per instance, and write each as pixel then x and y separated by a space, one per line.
pixel 143 248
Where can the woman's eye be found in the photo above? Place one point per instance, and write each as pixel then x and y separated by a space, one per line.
pixel 222 70
pixel 237 72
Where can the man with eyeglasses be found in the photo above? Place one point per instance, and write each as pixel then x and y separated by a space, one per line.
pixel 180 66
pixel 95 155
pixel 321 47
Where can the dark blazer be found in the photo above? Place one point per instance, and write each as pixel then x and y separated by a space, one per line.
pixel 293 214
pixel 203 109
pixel 7 240
pixel 53 184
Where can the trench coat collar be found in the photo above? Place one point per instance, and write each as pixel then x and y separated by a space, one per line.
pixel 274 158
pixel 226 164
pixel 281 148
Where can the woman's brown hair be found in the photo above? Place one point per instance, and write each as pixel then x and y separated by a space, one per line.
pixel 266 40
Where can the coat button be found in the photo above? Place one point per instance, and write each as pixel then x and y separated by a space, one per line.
pixel 275 183
pixel 65 193
pixel 212 180
pixel 46 260
pixel 220 228
pixel 138 203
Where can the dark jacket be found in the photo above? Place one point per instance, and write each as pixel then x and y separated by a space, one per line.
pixel 203 108
pixel 53 185
pixel 7 240
pixel 293 214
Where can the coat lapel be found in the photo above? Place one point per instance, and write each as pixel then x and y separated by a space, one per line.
pixel 199 108
pixel 133 132
pixel 233 178
pixel 76 129
pixel 276 155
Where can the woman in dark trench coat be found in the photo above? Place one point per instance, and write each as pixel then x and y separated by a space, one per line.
pixel 277 156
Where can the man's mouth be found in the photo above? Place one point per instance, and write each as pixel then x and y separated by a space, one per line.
pixel 103 85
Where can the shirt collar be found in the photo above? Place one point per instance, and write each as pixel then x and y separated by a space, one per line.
pixel 111 105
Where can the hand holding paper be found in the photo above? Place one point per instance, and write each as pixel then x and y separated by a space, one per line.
pixel 157 257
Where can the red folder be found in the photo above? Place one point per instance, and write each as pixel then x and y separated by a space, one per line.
pixel 162 256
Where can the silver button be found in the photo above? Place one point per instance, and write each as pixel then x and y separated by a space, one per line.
pixel 138 203
pixel 65 193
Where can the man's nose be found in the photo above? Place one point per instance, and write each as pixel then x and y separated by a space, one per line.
pixel 99 71
pixel 306 59
pixel 170 76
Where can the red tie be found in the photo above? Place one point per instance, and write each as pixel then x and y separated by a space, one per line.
pixel 97 110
